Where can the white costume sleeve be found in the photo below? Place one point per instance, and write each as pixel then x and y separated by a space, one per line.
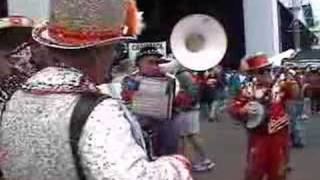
pixel 109 150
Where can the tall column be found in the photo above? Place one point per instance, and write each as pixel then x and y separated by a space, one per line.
pixel 296 10
pixel 261 26
pixel 38 10
pixel 3 8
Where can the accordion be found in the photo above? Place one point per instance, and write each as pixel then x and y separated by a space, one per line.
pixel 154 98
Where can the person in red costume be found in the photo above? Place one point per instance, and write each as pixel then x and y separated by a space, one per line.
pixel 260 106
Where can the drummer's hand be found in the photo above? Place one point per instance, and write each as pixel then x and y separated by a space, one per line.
pixel 243 110
pixel 184 161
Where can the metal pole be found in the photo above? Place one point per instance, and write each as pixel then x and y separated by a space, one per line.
pixel 296 8
pixel 4 8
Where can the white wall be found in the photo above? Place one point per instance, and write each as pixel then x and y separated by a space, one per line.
pixel 35 9
pixel 261 26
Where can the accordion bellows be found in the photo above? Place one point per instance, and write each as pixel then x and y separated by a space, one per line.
pixel 154 98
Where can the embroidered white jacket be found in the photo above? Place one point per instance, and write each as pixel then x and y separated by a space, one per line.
pixel 34 133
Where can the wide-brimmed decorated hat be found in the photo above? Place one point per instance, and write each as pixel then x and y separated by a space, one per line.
pixel 14 30
pixel 76 24
pixel 15 21
pixel 254 62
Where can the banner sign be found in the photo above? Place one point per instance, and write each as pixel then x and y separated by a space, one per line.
pixel 134 48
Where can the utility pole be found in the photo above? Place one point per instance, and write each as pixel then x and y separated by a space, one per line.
pixel 3 8
pixel 296 10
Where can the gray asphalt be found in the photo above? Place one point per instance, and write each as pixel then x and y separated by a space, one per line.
pixel 226 144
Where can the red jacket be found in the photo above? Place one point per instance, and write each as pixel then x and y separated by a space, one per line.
pixel 276 117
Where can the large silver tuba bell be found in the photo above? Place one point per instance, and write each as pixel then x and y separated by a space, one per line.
pixel 198 42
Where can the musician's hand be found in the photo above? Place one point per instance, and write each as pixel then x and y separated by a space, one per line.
pixel 242 111
pixel 211 82
pixel 183 160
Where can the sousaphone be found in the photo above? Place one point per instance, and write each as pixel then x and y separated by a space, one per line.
pixel 198 42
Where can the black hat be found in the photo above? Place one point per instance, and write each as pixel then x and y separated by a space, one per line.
pixel 148 51
pixel 14 30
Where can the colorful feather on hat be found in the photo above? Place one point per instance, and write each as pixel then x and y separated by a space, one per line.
pixel 134 19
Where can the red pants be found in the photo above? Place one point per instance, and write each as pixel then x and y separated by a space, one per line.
pixel 267 156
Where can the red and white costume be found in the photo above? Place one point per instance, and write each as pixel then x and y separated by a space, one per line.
pixel 268 142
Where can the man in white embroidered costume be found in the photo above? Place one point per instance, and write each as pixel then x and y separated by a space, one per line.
pixel 15 54
pixel 35 124
pixel 18 57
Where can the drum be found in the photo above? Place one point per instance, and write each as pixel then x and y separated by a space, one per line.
pixel 256 119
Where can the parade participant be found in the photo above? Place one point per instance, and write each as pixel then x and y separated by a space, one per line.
pixel 18 54
pixel 48 128
pixel 295 108
pixel 147 61
pixel 212 93
pixel 260 105
pixel 13 32
pixel 188 119
pixel 311 86
pixel 206 93
pixel 234 83
pixel 187 115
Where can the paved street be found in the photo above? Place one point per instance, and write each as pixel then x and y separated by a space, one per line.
pixel 226 142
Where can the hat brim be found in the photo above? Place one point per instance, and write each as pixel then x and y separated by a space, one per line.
pixel 41 34
pixel 138 58
pixel 8 22
pixel 246 69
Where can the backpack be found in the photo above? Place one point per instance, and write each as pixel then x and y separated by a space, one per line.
pixel 81 112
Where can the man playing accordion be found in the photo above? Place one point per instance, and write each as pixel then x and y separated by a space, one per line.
pixel 149 93
pixel 260 106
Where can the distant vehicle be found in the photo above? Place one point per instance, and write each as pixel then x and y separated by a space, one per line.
pixel 304 59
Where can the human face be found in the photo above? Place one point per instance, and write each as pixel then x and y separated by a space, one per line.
pixel 104 62
pixel 149 66
pixel 263 75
